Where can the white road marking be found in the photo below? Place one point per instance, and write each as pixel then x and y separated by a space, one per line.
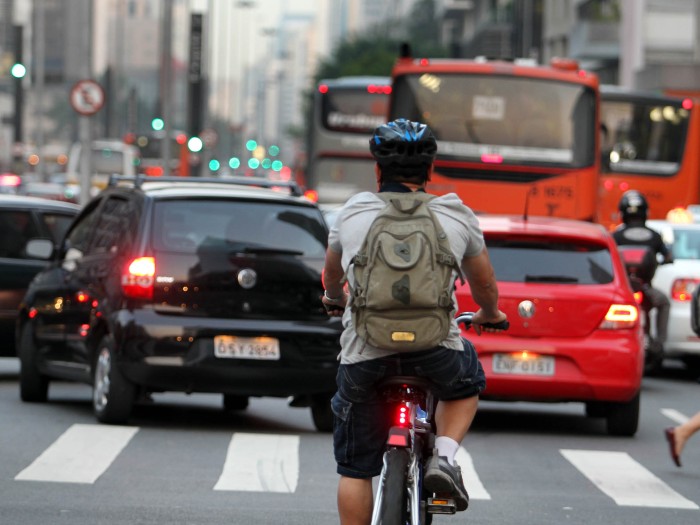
pixel 674 415
pixel 623 479
pixel 472 483
pixel 80 455
pixel 261 463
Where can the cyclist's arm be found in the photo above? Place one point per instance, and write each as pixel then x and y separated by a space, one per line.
pixel 332 279
pixel 484 289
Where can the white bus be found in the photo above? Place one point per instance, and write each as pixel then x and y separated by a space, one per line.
pixel 345 112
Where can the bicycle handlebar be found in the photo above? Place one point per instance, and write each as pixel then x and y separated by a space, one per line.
pixel 465 318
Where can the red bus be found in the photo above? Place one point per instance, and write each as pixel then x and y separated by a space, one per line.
pixel 513 137
pixel 345 112
pixel 649 143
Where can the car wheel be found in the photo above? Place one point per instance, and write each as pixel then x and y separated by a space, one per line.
pixel 321 412
pixel 596 409
pixel 33 385
pixel 623 418
pixel 692 363
pixel 112 395
pixel 234 403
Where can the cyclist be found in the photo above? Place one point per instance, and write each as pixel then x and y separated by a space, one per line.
pixel 634 231
pixel 404 152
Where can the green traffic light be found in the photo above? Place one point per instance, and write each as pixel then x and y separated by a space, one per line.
pixel 273 150
pixel 214 165
pixel 18 70
pixel 251 145
pixel 234 162
pixel 157 124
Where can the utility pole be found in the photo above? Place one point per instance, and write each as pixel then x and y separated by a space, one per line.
pixel 18 77
pixel 165 83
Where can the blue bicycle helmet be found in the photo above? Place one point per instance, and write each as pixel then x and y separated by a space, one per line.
pixel 403 142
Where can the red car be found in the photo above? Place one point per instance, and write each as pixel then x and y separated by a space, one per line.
pixel 575 332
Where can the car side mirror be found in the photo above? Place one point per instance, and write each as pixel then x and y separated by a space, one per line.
pixel 39 248
pixel 695 311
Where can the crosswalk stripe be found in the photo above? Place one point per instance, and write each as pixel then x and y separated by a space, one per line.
pixel 261 463
pixel 80 455
pixel 471 479
pixel 623 479
pixel 674 415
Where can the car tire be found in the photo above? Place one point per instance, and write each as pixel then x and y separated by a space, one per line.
pixel 596 409
pixel 113 396
pixel 321 412
pixel 33 385
pixel 234 403
pixel 623 418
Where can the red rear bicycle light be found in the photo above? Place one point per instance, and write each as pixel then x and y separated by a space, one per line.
pixel 402 415
pixel 398 437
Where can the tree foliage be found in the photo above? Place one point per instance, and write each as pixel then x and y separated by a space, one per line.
pixel 374 52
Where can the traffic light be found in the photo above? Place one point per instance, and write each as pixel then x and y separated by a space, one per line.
pixel 18 70
pixel 251 145
pixel 195 144
pixel 157 124
pixel 234 163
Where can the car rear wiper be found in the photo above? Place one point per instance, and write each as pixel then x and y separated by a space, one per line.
pixel 550 279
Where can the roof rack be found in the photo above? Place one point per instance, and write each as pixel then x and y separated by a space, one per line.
pixel 138 180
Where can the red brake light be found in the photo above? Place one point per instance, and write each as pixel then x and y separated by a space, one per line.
pixel 620 316
pixel 153 171
pixel 687 103
pixel 682 289
pixel 138 278
pixel 323 88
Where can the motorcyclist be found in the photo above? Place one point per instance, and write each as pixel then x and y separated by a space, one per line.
pixel 634 208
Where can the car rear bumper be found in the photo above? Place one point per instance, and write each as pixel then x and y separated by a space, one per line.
pixel 174 353
pixel 681 339
pixel 608 368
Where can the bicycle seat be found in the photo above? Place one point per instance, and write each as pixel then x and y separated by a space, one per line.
pixel 415 382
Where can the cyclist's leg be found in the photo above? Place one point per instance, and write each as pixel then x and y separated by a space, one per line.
pixel 453 418
pixel 355 501
pixel 359 436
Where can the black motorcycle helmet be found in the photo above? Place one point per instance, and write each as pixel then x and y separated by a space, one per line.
pixel 633 206
pixel 404 143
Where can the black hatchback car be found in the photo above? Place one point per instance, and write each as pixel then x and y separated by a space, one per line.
pixel 189 285
pixel 23 220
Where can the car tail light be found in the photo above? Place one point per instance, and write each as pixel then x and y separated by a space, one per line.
pixel 620 316
pixel 682 289
pixel 639 297
pixel 138 278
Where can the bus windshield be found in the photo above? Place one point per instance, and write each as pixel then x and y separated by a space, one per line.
pixel 501 119
pixel 643 136
pixel 353 110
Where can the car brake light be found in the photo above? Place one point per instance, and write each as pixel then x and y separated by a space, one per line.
pixel 639 297
pixel 138 278
pixel 682 289
pixel 620 316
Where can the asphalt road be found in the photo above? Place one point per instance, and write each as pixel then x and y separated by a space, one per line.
pixel 183 461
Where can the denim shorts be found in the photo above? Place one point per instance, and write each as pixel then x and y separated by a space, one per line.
pixel 362 418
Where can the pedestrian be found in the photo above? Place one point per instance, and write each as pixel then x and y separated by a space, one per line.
pixel 404 151
pixel 678 436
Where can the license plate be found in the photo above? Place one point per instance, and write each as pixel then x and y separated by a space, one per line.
pixel 523 364
pixel 234 347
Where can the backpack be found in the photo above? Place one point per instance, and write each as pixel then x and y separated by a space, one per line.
pixel 402 295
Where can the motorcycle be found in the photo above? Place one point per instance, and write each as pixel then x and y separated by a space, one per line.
pixel 640 263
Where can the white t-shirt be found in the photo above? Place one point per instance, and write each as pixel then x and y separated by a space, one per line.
pixel 349 232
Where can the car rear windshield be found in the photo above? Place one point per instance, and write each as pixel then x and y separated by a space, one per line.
pixel 188 226
pixel 546 261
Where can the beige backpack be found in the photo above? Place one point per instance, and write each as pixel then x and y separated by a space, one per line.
pixel 402 296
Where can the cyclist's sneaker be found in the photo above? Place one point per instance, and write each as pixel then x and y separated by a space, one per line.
pixel 443 478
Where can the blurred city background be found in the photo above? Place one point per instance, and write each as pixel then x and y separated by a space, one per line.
pixel 237 73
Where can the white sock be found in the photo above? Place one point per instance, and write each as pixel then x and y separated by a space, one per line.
pixel 447 447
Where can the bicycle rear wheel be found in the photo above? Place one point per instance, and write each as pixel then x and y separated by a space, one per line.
pixel 394 505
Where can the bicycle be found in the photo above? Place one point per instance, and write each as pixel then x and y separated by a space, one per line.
pixel 401 498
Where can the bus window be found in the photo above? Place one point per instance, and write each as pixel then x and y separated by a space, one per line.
pixel 511 138
pixel 345 112
pixel 646 144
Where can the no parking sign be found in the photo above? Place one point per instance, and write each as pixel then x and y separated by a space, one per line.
pixel 87 97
